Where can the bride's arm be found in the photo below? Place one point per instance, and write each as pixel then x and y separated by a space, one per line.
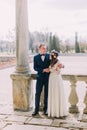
pixel 55 68
pixel 59 66
pixel 52 68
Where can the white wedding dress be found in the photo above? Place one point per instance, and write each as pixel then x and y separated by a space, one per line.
pixel 56 99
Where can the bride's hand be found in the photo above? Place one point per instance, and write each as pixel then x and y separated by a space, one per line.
pixel 60 66
pixel 47 70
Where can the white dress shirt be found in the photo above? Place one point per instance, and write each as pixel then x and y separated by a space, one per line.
pixel 42 57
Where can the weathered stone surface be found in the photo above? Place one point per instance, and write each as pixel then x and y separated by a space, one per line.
pixel 40 121
pixel 2 124
pixel 3 116
pixel 20 113
pixel 31 127
pixel 22 93
pixel 6 109
pixel 15 118
pixel 57 122
pixel 73 125
pixel 84 118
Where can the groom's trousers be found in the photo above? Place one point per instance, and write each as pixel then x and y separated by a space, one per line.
pixel 42 82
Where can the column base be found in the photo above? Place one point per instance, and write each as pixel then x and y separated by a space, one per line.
pixel 73 109
pixel 22 94
pixel 22 69
pixel 85 110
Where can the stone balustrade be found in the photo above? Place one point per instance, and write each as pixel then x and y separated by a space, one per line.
pixel 73 96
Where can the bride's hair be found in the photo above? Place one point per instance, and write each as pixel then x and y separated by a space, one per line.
pixel 53 57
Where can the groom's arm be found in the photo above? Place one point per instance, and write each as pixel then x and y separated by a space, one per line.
pixel 36 66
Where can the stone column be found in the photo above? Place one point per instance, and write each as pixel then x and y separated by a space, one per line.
pixel 22 36
pixel 21 79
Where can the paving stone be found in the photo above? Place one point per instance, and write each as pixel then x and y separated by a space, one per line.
pixel 83 125
pixel 3 116
pixel 74 125
pixel 2 124
pixel 57 122
pixel 73 129
pixel 15 118
pixel 40 121
pixel 84 118
pixel 20 113
pixel 70 125
pixel 31 127
pixel 6 109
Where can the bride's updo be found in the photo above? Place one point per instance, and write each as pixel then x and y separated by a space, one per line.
pixel 53 57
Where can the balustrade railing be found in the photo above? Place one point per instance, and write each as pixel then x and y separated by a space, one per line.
pixel 73 98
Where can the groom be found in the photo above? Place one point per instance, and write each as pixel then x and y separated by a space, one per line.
pixel 41 65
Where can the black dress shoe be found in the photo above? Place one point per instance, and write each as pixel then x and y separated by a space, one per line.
pixel 45 113
pixel 34 113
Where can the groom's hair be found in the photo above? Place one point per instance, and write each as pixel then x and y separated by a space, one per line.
pixel 42 44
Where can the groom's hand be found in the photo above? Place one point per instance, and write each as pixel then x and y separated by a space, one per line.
pixel 47 70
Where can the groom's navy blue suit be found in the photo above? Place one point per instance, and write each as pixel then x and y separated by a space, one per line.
pixel 42 80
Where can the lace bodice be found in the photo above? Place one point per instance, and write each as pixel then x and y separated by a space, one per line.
pixel 55 68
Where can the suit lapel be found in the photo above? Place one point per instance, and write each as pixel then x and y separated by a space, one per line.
pixel 45 57
pixel 40 59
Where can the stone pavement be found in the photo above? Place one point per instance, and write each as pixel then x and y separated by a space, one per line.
pixel 12 120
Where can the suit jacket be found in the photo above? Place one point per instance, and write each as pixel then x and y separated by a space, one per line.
pixel 39 65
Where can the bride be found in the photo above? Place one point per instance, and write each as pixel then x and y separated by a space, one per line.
pixel 56 99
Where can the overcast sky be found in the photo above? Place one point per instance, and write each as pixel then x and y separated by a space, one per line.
pixel 64 17
pixel 61 4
